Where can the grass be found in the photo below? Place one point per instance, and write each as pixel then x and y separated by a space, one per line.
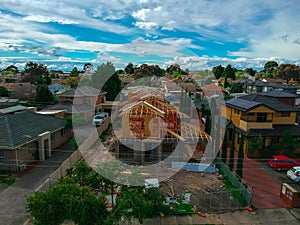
pixel 5 182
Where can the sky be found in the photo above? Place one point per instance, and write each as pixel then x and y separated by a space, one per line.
pixel 196 34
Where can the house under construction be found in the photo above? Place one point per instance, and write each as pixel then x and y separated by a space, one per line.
pixel 151 130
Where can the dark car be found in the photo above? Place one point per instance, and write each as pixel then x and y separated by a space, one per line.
pixel 282 162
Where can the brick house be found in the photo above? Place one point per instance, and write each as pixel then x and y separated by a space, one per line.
pixel 28 136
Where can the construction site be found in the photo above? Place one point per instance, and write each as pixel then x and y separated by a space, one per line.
pixel 151 130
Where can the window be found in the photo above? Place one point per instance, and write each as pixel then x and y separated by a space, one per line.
pixel 261 117
pixel 285 114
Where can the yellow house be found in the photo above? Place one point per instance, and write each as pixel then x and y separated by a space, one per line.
pixel 257 115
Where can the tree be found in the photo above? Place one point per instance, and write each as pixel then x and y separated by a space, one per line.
pixel 226 84
pixel 240 160
pixel 229 71
pixel 67 200
pixel 174 68
pixel 74 72
pixel 224 147
pixel 139 203
pixel 113 86
pixel 288 72
pixel 129 69
pixel 72 82
pixel 43 94
pixel 12 68
pixel 250 71
pixel 270 66
pixel 218 71
pixel 4 92
pixel 231 154
pixel 36 73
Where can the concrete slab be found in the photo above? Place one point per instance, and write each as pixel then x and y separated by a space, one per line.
pixel 184 220
pixel 168 220
pixel 209 219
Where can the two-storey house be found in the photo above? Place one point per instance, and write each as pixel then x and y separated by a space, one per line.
pixel 257 115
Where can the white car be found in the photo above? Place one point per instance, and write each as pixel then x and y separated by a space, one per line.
pixel 294 174
pixel 98 120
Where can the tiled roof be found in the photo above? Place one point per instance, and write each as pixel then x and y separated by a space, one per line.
pixel 276 93
pixel 242 104
pixel 82 91
pixel 70 108
pixel 270 103
pixel 20 128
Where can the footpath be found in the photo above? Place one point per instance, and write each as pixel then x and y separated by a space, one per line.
pixel 13 199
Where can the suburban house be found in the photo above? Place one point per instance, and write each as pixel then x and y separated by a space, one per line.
pixel 20 90
pixel 84 101
pixel 57 88
pixel 151 129
pixel 256 115
pixel 261 86
pixel 20 146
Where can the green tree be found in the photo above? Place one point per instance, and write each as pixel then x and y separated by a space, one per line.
pixel 129 69
pixel 231 154
pixel 67 201
pixel 270 67
pixel 74 72
pixel 4 92
pixel 229 71
pixel 36 73
pixel 12 68
pixel 43 94
pixel 218 71
pixel 240 160
pixel 138 203
pixel 250 71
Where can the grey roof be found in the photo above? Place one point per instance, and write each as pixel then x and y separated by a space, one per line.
pixel 242 104
pixel 70 108
pixel 13 109
pixel 20 128
pixel 276 93
pixel 276 131
pixel 82 91
pixel 270 103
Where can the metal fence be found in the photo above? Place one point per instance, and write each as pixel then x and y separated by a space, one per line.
pixel 244 189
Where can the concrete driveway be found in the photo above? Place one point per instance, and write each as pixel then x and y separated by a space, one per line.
pixel 13 198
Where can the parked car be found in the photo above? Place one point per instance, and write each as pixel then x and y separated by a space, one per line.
pixel 98 120
pixel 294 174
pixel 282 162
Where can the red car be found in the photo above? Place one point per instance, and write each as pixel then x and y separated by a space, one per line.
pixel 282 162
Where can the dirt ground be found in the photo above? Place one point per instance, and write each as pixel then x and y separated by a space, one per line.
pixel 207 190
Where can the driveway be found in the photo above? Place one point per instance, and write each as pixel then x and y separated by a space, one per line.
pixel 13 198
pixel 266 186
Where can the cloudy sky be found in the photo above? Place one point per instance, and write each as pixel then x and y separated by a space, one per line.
pixel 196 34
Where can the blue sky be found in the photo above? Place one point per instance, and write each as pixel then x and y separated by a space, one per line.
pixel 196 34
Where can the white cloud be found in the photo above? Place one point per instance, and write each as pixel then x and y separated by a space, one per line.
pixel 147 25
pixel 141 14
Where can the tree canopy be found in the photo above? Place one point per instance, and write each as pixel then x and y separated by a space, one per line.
pixel 36 73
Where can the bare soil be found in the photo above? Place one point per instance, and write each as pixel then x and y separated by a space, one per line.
pixel 207 190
